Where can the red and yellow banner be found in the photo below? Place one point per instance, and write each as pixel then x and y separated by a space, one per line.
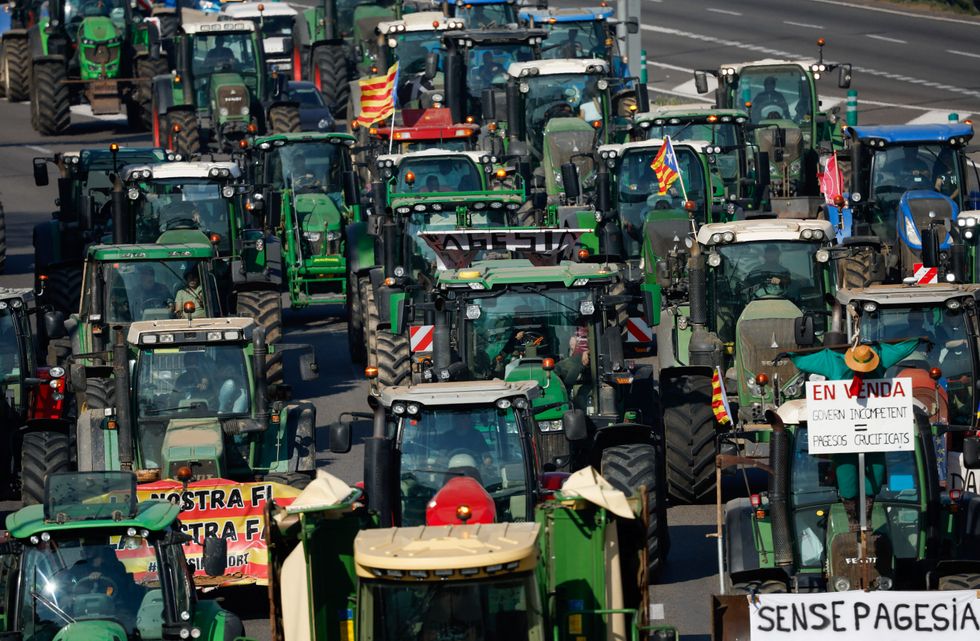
pixel 233 511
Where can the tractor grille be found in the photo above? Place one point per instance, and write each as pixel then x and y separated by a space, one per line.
pixel 756 338
pixel 551 445
pixel 920 209
pixel 667 234
pixel 101 54
pixel 234 99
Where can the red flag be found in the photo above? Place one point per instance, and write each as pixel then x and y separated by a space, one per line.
pixel 831 181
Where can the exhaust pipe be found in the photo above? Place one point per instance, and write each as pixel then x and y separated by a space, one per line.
pixel 377 470
pixel 778 485
pixel 259 353
pixel 120 232
pixel 120 371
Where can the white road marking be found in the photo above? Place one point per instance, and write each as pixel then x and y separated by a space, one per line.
pixel 793 56
pixel 40 150
pixel 896 12
pixel 936 117
pixel 963 53
pixel 806 25
pixel 887 39
pixel 723 11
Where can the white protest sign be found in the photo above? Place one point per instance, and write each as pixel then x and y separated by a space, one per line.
pixel 876 419
pixel 858 616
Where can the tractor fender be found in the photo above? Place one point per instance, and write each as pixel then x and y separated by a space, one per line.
pixel 35 40
pixel 672 373
pixel 43 59
pixel 360 248
pixel 47 425
pixel 741 555
pixel 862 241
pixel 614 434
pixel 272 104
pixel 13 34
pixel 300 434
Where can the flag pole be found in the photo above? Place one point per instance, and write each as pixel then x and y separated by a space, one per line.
pixel 680 174
pixel 391 137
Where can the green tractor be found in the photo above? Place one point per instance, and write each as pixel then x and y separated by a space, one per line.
pixel 461 576
pixel 310 197
pixel 784 109
pixel 220 93
pixel 751 289
pixel 94 52
pixel 51 588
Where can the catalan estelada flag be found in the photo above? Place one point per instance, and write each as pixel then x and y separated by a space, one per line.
pixel 378 97
pixel 719 400
pixel 665 166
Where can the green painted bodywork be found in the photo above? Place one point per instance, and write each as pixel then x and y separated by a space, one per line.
pixel 91 631
pixel 95 32
pixel 153 515
pixel 500 273
pixel 763 310
pixel 219 82
pixel 163 251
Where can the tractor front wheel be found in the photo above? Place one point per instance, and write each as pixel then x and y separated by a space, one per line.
pixel 146 70
pixel 690 435
pixel 370 315
pixel 394 359
pixel 355 321
pixel 42 453
pixel 49 98
pixel 265 306
pixel 331 74
pixel 183 133
pixel 964 581
pixel 284 119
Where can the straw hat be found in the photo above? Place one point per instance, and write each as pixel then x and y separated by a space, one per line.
pixel 862 359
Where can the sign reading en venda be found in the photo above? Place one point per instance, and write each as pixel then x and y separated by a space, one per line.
pixel 952 615
pixel 878 418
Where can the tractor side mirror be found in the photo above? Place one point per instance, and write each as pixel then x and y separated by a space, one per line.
pixel 431 65
pixel 632 26
pixel 803 331
pixel 642 98
pixel 350 188
pixel 340 439
pixel 41 172
pixel 701 81
pixel 569 180
pixel 573 424
pixel 489 104
pixel 844 75
pixel 54 324
pixel 603 191
pixel 215 556
pixel 930 247
pixel 971 452
pixel 309 370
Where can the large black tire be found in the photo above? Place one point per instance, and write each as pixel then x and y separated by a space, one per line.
pixel 370 314
pixel 168 25
pixel 769 586
pixel 284 119
pixel 49 98
pixel 187 140
pixel 691 436
pixel 860 268
pixel 17 64
pixel 265 306
pixel 42 453
pixel 146 69
pixel 3 240
pixel 100 393
pixel 627 467
pixel 332 74
pixel 394 359
pixel 965 581
pixel 355 321
pixel 63 289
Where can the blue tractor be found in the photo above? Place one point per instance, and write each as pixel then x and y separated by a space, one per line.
pixel 484 14
pixel 579 32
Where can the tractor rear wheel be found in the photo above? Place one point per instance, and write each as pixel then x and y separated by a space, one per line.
pixel 627 467
pixel 265 306
pixel 168 24
pixel 331 75
pixel 394 359
pixel 42 453
pixel 49 98
pixel 100 393
pixel 857 268
pixel 370 314
pixel 768 586
pixel 63 289
pixel 16 67
pixel 186 139
pixel 146 69
pixel 355 321
pixel 283 119
pixel 690 434
pixel 964 581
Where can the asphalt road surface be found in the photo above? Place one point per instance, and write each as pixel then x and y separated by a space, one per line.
pixel 908 67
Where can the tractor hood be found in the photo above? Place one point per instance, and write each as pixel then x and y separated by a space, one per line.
pixel 553 401
pixel 317 212
pixel 195 442
pixel 229 92
pixel 766 328
pixel 98 29
pixel 91 630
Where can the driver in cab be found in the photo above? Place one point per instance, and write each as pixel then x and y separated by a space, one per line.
pixel 774 272
pixel 769 103
pixel 100 572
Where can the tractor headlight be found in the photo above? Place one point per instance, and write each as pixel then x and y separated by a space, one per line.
pixel 228 191
pixel 412 408
pixel 714 259
pixel 333 235
pixel 841 584
pixel 223 112
pixel 586 308
pixel 312 236
pixel 822 255
pixel 869 306
pixel 133 193
pixel 398 409
pixel 473 312
pixel 549 426
pixel 245 111
pixel 807 234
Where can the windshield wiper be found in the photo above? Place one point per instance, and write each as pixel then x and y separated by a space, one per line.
pixel 193 406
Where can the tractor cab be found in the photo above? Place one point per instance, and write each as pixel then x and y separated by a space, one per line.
pixel 275 21
pixel 573 32
pixel 485 14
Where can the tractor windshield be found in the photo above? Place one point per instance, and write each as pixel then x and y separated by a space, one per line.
pixel 487 15
pixel 187 381
pixel 946 345
pixel 11 356
pixel 429 175
pixel 111 577
pixel 899 169
pixel 309 167
pixel 781 269
pixel 78 10
pixel 503 607
pixel 482 442
pixel 411 49
pixel 638 191
pixel 276 27
pixel 525 323
pixel 821 480
pixel 776 93
pixel 582 40
pixel 557 96
pixel 151 290
pixel 486 65
pixel 720 134
pixel 184 203
pixel 229 51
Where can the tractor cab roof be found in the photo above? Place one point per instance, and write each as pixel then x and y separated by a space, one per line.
pixel 459 392
pixel 248 10
pixel 557 67
pixel 197 330
pixel 461 3
pixel 16 295
pixel 279 140
pixel 806 63
pixel 421 21
pixel 696 112
pixel 522 271
pixel 211 28
pixel 620 149
pixel 185 169
pixel 759 229
pixel 476 157
pixel 485 37
pixel 960 133
pixel 902 295
pixel 89 500
pixel 426 125
pixel 566 14
pixel 449 550
pixel 148 251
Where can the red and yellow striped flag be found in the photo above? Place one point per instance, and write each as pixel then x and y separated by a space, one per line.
pixel 378 97
pixel 719 399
